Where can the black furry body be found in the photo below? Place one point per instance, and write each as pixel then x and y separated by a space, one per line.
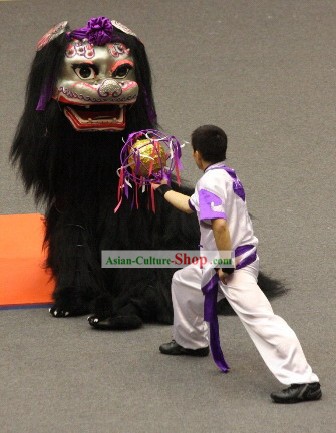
pixel 81 222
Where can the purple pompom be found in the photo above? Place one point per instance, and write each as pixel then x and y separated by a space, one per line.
pixel 99 31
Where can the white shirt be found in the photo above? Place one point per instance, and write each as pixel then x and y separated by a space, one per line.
pixel 220 194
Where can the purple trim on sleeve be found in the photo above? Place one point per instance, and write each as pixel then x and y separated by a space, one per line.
pixel 207 202
pixel 191 205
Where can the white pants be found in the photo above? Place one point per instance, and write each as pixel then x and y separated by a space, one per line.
pixel 275 340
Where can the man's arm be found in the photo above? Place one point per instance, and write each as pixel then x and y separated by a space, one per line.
pixel 221 233
pixel 177 199
pixel 223 241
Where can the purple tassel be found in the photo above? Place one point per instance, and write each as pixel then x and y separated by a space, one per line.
pixel 45 95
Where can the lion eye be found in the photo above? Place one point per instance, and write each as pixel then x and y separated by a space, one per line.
pixel 121 71
pixel 85 72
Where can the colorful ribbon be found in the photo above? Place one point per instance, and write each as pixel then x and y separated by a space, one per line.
pixel 130 174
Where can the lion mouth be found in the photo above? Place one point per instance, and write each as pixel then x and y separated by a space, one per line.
pixel 96 117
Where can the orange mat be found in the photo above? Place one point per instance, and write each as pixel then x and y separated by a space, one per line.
pixel 23 281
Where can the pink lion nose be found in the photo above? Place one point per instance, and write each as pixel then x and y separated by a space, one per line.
pixel 109 87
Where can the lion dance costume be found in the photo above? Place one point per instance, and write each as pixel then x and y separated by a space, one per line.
pixel 88 89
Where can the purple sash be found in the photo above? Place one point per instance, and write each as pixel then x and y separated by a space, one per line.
pixel 210 281
pixel 210 291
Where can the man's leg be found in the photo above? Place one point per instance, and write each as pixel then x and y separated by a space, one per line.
pixel 190 332
pixel 275 340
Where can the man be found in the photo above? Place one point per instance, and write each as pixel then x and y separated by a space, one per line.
pixel 219 201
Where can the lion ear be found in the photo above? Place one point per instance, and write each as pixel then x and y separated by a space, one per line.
pixel 123 28
pixel 51 34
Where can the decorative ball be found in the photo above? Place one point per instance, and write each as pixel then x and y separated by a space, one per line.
pixel 146 156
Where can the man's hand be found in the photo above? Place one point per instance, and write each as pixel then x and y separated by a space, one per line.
pixel 223 276
pixel 155 185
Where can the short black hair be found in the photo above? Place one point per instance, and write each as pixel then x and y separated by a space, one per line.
pixel 211 142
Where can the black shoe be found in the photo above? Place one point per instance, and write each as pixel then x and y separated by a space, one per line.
pixel 174 348
pixel 298 392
